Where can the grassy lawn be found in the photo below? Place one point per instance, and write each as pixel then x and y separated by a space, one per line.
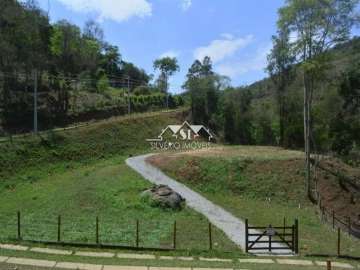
pixel 80 174
pixel 107 189
pixel 263 184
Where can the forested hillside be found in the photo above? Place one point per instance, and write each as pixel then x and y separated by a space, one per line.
pixel 77 74
pixel 335 106
pixel 250 114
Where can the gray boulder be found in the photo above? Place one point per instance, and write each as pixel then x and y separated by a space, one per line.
pixel 163 196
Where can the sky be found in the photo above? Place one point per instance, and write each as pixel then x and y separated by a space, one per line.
pixel 236 34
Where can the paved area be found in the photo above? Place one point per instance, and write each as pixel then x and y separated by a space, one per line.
pixel 95 254
pixel 214 259
pixel 136 256
pixel 85 266
pixel 256 261
pixel 80 266
pixel 232 226
pixel 14 247
pixel 336 264
pixel 51 251
pixel 294 262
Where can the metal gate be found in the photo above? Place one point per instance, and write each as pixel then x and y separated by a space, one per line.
pixel 271 238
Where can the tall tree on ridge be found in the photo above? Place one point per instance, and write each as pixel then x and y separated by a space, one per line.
pixel 167 67
pixel 280 61
pixel 318 25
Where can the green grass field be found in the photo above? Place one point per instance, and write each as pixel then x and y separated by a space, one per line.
pixel 263 184
pixel 108 190
pixel 81 174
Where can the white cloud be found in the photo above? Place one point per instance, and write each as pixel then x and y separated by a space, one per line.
pixel 255 63
pixel 227 36
pixel 116 10
pixel 170 53
pixel 186 4
pixel 219 49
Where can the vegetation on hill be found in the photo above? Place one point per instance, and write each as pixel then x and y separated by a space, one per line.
pixel 250 114
pixel 66 65
pixel 264 184
pixel 115 136
pixel 312 52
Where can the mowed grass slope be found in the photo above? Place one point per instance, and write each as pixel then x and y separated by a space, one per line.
pixel 81 174
pixel 116 136
pixel 263 184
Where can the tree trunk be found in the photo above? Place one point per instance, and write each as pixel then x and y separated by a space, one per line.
pixel 281 118
pixel 307 134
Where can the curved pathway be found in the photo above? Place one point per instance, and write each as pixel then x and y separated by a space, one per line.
pixel 232 226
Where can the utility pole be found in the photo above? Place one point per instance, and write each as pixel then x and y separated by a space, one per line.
pixel 35 102
pixel 128 87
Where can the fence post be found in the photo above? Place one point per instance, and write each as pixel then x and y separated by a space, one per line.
pixel 333 219
pixel 284 224
pixel 293 237
pixel 246 235
pixel 97 230
pixel 338 243
pixel 174 236
pixel 59 229
pixel 296 236
pixel 18 225
pixel 137 233
pixel 210 237
pixel 349 225
pixel 270 243
pixel 328 264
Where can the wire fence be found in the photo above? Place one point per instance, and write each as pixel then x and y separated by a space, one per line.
pixel 117 232
pixel 351 226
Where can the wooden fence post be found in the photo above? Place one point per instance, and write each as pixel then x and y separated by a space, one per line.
pixel 210 236
pixel 284 224
pixel 333 219
pixel 18 225
pixel 137 233
pixel 296 236
pixel 349 225
pixel 338 243
pixel 97 230
pixel 246 235
pixel 174 236
pixel 293 237
pixel 328 264
pixel 59 229
pixel 270 242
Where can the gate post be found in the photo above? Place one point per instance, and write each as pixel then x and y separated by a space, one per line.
pixel 296 236
pixel 293 237
pixel 270 243
pixel 246 235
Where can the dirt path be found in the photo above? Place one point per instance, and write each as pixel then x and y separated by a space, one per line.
pixel 232 226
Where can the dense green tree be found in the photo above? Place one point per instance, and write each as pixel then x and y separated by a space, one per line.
pixel 280 61
pixel 317 26
pixel 345 128
pixel 66 58
pixel 204 86
pixel 167 67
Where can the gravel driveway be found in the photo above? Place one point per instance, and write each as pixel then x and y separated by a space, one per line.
pixel 232 226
